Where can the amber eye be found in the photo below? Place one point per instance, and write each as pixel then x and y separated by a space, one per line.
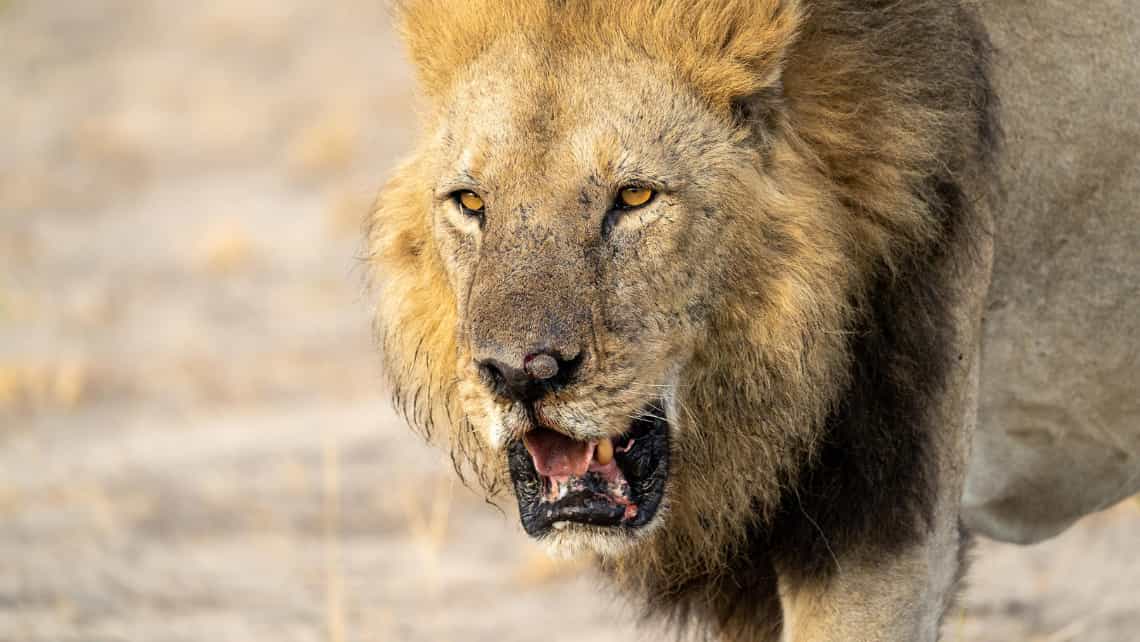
pixel 471 202
pixel 631 197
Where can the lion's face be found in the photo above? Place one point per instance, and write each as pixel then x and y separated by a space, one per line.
pixel 581 221
pixel 620 269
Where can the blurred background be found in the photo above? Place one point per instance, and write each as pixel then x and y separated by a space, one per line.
pixel 195 443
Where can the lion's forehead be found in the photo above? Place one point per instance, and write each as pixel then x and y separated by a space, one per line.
pixel 518 121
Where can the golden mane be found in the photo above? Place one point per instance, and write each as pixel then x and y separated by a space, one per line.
pixel 725 48
pixel 873 149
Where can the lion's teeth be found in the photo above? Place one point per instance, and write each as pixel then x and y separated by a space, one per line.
pixel 604 453
pixel 559 525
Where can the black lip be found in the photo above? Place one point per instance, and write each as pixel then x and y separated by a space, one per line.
pixel 645 466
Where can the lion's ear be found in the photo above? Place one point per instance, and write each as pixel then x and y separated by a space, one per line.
pixel 443 36
pixel 760 112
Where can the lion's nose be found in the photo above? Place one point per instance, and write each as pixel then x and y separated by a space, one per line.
pixel 540 373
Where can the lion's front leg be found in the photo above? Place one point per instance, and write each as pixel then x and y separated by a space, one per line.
pixel 900 599
pixel 873 596
pixel 877 593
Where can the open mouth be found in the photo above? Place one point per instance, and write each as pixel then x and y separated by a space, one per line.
pixel 616 482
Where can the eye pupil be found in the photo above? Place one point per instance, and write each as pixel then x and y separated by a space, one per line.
pixel 634 196
pixel 470 201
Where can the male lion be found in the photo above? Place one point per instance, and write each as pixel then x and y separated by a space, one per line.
pixel 702 283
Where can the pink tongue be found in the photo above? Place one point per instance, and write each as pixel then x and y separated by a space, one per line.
pixel 556 455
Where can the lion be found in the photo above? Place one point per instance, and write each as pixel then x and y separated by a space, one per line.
pixel 705 284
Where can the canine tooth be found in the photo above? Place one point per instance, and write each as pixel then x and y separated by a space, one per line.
pixel 559 525
pixel 604 453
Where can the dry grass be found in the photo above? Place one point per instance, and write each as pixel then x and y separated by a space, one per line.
pixel 429 528
pixel 27 190
pixel 346 211
pixel 327 145
pixel 225 248
pixel 538 569
pixel 62 384
pixel 334 572
pixel 956 630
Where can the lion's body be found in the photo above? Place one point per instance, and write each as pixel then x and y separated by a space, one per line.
pixel 1060 402
pixel 803 299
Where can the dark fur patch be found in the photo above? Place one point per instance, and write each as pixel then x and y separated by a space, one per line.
pixel 741 605
pixel 875 477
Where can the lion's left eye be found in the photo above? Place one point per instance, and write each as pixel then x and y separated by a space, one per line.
pixel 634 197
pixel 471 202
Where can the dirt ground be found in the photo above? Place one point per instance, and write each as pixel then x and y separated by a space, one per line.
pixel 194 440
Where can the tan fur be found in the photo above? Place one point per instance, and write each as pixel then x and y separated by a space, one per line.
pixel 736 292
pixel 719 47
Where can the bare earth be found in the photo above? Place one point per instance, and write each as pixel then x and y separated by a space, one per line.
pixel 194 440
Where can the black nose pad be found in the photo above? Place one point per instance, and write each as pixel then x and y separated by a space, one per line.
pixel 540 374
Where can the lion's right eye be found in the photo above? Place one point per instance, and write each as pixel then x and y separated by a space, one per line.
pixel 470 202
pixel 634 197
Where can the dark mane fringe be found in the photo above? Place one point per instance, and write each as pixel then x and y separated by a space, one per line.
pixel 876 452
pixel 873 480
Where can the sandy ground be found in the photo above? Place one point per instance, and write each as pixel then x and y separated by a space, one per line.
pixel 194 443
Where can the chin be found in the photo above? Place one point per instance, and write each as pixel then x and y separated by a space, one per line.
pixel 570 540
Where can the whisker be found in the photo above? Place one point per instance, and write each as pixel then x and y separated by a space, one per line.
pixel 647 415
